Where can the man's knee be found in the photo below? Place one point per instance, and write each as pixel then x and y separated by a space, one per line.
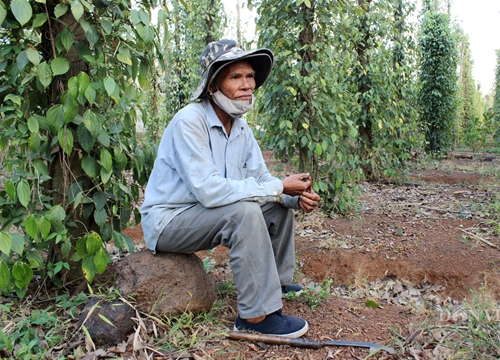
pixel 246 211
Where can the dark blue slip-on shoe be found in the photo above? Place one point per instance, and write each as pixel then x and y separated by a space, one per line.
pixel 292 289
pixel 275 324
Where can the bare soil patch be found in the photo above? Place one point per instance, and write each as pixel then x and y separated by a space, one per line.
pixel 430 239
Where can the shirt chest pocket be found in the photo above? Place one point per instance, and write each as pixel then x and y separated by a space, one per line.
pixel 238 171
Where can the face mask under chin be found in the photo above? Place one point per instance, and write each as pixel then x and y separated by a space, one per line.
pixel 234 108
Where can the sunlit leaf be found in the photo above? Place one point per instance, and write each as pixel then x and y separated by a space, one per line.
pixel 34 142
pixel 33 125
pixel 5 243
pixel 3 12
pixel 67 39
pixel 105 175
pixel 56 214
pixel 319 150
pixel 129 244
pixel 60 10
pixel 90 95
pixel 24 193
pixel 41 167
pixel 17 243
pixel 93 243
pixel 104 138
pixel 22 274
pixel 10 189
pixel 124 58
pixel 77 9
pixel 22 10
pixel 44 226
pixel 106 26
pixel 44 74
pixel 83 82
pixel 81 247
pixel 33 56
pixel 66 140
pixel 109 85
pixel 134 16
pixel 91 122
pixel 100 261
pixel 55 117
pixel 66 248
pixel 144 16
pixel 88 268
pixel 106 160
pixel 73 86
pixel 39 20
pixel 372 304
pixel 92 35
pixel 4 275
pixel 31 226
pixel 59 66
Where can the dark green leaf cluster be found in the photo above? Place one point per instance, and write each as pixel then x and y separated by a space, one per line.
pixel 496 98
pixel 341 98
pixel 186 27
pixel 73 76
pixel 438 81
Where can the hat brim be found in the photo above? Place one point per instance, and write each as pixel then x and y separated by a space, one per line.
pixel 260 59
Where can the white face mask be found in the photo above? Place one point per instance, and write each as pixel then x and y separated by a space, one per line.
pixel 234 108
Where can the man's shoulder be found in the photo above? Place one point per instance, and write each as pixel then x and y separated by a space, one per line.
pixel 193 113
pixel 197 114
pixel 190 110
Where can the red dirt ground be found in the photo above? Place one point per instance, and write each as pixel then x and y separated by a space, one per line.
pixel 418 232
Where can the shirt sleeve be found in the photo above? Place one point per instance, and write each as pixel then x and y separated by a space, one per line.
pixel 291 202
pixel 193 161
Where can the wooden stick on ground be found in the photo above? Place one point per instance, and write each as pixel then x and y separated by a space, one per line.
pixel 480 239
pixel 301 342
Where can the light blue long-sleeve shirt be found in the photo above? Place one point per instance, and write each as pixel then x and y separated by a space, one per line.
pixel 198 163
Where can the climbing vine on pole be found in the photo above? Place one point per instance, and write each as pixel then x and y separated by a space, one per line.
pixel 73 75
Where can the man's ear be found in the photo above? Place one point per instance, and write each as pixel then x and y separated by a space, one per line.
pixel 212 88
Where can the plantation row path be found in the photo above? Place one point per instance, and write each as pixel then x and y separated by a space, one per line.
pixel 417 249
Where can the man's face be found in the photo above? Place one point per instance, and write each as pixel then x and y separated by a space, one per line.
pixel 236 81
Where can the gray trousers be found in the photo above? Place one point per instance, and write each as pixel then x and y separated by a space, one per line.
pixel 260 242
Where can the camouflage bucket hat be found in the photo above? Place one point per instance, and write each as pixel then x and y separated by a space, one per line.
pixel 217 54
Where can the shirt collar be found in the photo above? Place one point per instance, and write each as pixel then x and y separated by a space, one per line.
pixel 214 121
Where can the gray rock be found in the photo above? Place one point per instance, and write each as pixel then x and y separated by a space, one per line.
pixel 165 284
pixel 102 333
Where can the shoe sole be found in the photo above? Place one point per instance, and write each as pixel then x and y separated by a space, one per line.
pixel 295 334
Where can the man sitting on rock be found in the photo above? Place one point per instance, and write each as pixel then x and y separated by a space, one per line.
pixel 210 186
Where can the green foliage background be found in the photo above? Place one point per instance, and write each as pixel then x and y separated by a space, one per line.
pixel 438 77
pixel 185 28
pixel 73 75
pixel 351 98
pixel 496 98
pixel 342 94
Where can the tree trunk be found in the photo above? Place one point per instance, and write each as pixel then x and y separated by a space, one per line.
pixel 364 86
pixel 238 21
pixel 306 39
pixel 210 22
pixel 63 169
